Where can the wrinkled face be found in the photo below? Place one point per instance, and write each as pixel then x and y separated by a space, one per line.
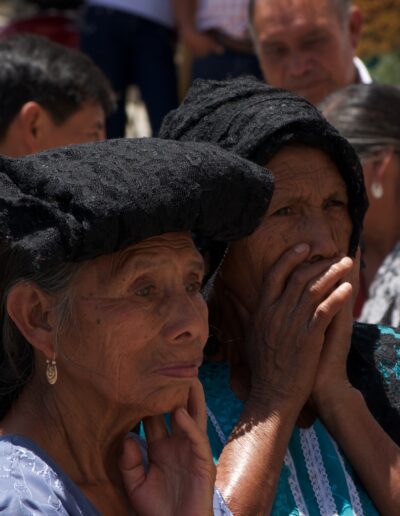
pixel 139 325
pixel 304 46
pixel 309 205
pixel 85 125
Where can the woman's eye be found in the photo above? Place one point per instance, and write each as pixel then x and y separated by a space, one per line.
pixel 336 203
pixel 145 291
pixel 193 287
pixel 282 212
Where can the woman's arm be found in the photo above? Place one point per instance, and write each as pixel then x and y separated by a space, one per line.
pixel 372 453
pixel 284 340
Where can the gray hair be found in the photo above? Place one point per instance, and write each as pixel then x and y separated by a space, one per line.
pixel 16 354
pixel 367 115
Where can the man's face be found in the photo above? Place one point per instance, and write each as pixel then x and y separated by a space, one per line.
pixel 306 46
pixel 85 125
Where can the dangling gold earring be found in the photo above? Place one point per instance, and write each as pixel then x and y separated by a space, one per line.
pixel 51 370
pixel 377 190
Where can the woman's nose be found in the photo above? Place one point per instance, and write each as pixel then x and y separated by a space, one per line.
pixel 186 319
pixel 322 239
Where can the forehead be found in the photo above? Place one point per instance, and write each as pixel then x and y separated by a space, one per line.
pixel 156 253
pixel 305 169
pixel 271 16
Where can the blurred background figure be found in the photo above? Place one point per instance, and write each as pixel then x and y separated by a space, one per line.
pixel 216 32
pixel 50 96
pixel 133 43
pixel 308 46
pixel 54 19
pixel 369 117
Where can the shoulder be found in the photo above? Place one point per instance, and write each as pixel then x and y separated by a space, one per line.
pixel 374 369
pixel 383 303
pixel 29 484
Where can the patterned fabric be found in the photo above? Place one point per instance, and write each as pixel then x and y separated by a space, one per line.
pixel 228 16
pixel 31 483
pixel 316 478
pixel 383 304
pixel 373 367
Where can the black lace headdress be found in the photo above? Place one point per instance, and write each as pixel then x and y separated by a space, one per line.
pixel 79 202
pixel 254 120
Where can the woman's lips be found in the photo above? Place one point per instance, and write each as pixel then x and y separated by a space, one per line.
pixel 179 370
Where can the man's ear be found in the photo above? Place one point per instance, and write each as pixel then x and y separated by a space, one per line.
pixel 33 312
pixel 355 23
pixel 34 121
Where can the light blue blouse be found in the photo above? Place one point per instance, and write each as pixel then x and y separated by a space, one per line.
pixel 31 483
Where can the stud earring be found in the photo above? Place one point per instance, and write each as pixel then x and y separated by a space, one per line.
pixel 51 370
pixel 377 190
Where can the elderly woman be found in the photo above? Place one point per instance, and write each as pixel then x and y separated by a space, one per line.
pixel 281 314
pixel 369 117
pixel 103 323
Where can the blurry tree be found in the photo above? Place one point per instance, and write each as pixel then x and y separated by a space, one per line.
pixel 380 41
pixel 381 31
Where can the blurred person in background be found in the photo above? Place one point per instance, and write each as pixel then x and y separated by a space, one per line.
pixel 133 43
pixel 217 34
pixel 308 46
pixel 368 116
pixel 50 96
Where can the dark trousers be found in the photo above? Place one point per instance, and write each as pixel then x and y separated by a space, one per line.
pixel 132 50
pixel 228 64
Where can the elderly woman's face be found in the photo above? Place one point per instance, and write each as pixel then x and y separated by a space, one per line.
pixel 139 324
pixel 309 205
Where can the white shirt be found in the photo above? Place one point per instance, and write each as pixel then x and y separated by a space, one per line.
pixel 364 76
pixel 228 16
pixel 159 11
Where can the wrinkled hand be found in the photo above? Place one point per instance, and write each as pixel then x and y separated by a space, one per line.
pixel 201 44
pixel 181 474
pixel 331 380
pixel 286 334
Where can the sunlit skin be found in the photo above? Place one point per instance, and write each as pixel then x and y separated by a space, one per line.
pixel 132 345
pixel 305 45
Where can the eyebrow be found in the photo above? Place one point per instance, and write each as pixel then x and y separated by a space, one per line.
pixel 119 266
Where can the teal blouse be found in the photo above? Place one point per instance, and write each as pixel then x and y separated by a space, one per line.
pixel 316 478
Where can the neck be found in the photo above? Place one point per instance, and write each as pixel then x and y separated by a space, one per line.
pixel 83 434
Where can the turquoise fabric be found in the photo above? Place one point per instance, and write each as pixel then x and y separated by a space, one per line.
pixel 225 409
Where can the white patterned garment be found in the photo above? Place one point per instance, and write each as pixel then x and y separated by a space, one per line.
pixel 228 16
pixel 383 303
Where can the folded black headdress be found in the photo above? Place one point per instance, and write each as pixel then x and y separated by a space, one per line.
pixel 254 120
pixel 82 201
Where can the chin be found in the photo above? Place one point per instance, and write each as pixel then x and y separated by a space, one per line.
pixel 161 401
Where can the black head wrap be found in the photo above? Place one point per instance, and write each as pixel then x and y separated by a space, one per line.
pixel 254 120
pixel 79 202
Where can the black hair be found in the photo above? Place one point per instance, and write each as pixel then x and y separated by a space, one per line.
pixel 60 79
pixel 368 115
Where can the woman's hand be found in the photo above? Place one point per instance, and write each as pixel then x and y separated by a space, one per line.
pixel 285 336
pixel 331 382
pixel 179 480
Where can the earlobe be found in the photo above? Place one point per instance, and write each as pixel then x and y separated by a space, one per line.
pixel 32 311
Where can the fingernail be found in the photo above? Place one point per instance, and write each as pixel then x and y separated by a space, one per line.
pixel 301 248
pixel 184 412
